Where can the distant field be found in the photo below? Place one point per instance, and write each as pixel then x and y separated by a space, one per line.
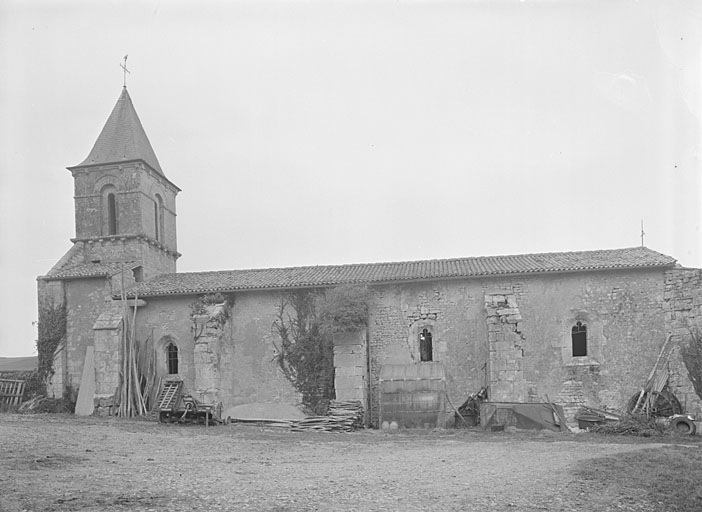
pixel 17 364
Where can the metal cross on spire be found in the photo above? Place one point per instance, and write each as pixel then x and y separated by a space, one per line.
pixel 642 233
pixel 124 67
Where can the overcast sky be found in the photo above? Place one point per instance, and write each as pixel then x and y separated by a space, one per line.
pixel 306 133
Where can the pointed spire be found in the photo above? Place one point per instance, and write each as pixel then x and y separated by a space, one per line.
pixel 122 138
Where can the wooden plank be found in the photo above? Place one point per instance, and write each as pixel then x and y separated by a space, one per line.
pixel 85 404
pixel 11 391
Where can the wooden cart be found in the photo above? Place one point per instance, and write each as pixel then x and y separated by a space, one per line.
pixel 175 407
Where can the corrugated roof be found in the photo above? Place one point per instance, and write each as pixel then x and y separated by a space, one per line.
pixel 327 275
pixel 122 138
pixel 85 270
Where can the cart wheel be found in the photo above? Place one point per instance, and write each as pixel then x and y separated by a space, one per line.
pixel 663 404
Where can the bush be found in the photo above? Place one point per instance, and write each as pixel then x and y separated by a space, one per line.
pixel 691 352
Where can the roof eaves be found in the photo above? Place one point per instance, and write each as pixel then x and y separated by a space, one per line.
pixel 380 282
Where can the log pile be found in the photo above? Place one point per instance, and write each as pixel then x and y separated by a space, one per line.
pixel 592 416
pixel 347 409
pixel 343 416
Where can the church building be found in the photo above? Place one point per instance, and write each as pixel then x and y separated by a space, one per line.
pixel 575 328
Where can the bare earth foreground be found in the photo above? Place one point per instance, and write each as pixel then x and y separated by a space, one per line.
pixel 58 462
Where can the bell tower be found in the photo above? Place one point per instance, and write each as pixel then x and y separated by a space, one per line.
pixel 125 217
pixel 125 207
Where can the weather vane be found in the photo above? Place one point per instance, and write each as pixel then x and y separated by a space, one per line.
pixel 642 234
pixel 124 67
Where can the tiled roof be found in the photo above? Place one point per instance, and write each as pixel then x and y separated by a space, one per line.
pixel 85 270
pixel 326 275
pixel 122 138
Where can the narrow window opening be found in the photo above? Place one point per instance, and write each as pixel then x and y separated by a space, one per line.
pixel 579 337
pixel 158 218
pixel 425 346
pixel 156 223
pixel 111 214
pixel 172 358
pixel 138 274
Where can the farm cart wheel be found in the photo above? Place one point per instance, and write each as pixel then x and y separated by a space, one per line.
pixel 663 404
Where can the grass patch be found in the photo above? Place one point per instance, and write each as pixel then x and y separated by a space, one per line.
pixel 668 477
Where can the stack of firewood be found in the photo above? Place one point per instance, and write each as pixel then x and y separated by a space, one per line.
pixel 347 409
pixel 343 416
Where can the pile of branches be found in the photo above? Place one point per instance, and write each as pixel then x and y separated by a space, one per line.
pixel 631 425
pixel 43 404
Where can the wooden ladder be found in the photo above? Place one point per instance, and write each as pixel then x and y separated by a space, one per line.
pixel 168 398
pixel 657 379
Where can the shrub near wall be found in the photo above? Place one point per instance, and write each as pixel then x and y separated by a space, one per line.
pixel 305 323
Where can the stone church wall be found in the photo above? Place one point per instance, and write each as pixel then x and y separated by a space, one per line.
pixel 622 310
pixel 245 350
pixel 85 299
pixel 627 314
pixel 683 312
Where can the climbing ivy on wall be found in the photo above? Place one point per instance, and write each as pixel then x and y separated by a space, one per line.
pixel 51 335
pixel 305 323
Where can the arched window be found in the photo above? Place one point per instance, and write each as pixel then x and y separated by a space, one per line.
pixel 172 358
pixel 425 345
pixel 111 214
pixel 579 337
pixel 158 218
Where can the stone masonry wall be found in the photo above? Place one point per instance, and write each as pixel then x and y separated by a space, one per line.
pixel 622 310
pixel 135 187
pixel 350 363
pixel 683 311
pixel 625 313
pixel 506 345
pixel 208 329
pixel 453 311
pixel 86 299
pixel 241 350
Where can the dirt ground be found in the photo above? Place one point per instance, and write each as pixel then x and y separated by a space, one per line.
pixel 62 463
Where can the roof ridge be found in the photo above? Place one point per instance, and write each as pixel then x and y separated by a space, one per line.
pixel 404 262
